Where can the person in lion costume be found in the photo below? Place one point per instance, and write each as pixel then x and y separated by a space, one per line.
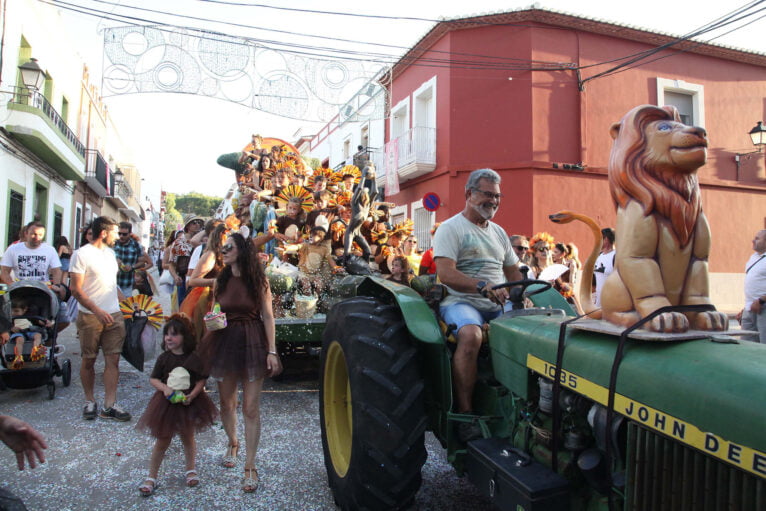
pixel 663 237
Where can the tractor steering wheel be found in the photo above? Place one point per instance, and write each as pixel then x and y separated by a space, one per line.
pixel 517 288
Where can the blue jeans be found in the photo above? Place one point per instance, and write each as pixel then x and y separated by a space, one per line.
pixel 755 322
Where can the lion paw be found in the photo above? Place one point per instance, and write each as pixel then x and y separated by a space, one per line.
pixel 711 320
pixel 669 322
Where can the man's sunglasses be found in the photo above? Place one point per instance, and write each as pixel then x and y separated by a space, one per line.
pixel 124 234
pixel 520 247
pixel 489 195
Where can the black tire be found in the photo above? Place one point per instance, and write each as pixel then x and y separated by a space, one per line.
pixel 375 451
pixel 66 372
pixel 51 390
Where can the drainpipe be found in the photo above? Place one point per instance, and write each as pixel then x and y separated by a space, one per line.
pixel 2 41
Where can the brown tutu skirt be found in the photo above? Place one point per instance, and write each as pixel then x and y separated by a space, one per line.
pixel 163 419
pixel 238 350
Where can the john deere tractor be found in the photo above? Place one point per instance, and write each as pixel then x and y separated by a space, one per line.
pixel 571 418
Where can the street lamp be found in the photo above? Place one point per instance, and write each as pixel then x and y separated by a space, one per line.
pixel 119 177
pixel 758 137
pixel 32 75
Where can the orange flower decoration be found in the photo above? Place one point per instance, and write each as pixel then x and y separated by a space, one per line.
pixel 344 198
pixel 296 192
pixel 542 236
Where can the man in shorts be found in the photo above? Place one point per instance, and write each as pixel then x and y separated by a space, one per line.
pixel 472 255
pixel 99 322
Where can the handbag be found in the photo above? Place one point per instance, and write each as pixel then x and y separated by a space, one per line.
pixel 214 319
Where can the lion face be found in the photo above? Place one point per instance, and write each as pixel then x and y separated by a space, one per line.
pixel 674 147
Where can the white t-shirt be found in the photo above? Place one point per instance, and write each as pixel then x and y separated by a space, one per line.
pixel 755 279
pixel 604 266
pixel 99 269
pixel 31 264
pixel 479 252
pixel 194 259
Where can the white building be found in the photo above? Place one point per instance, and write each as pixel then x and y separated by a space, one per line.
pixel 58 147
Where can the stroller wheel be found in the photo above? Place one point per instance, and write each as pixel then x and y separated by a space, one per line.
pixel 66 372
pixel 51 390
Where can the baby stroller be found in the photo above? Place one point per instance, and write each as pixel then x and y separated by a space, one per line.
pixel 41 372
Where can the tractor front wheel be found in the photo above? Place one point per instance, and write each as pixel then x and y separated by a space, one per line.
pixel 371 406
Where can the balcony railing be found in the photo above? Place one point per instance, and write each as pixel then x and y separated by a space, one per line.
pixel 33 98
pixel 417 145
pixel 96 172
pixel 415 154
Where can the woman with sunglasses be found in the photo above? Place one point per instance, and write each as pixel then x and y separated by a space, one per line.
pixel 410 251
pixel 244 351
pixel 541 245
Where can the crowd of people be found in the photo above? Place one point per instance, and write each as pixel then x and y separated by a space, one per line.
pixel 322 222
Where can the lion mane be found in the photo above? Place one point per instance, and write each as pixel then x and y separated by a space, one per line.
pixel 632 174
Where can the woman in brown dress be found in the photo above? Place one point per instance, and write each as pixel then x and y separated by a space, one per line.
pixel 245 350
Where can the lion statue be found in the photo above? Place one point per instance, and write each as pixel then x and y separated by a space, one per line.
pixel 663 237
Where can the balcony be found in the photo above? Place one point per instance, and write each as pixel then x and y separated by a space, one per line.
pixel 96 172
pixel 415 155
pixel 122 197
pixel 38 126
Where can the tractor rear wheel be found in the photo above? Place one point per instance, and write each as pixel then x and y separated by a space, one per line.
pixel 371 407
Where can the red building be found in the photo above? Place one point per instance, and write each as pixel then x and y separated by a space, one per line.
pixel 533 93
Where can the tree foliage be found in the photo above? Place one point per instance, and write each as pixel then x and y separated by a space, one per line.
pixel 196 204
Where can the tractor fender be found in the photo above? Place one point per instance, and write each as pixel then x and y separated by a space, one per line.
pixel 419 318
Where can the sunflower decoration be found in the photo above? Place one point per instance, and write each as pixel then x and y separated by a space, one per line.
pixel 542 237
pixel 338 230
pixel 232 222
pixel 145 306
pixel 352 170
pixel 343 198
pixel 321 171
pixel 288 165
pixel 403 228
pixel 379 237
pixel 296 192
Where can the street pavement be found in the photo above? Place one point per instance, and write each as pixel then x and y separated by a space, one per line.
pixel 100 463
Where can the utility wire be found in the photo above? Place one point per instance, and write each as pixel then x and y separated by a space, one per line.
pixel 251 27
pixel 363 57
pixel 722 21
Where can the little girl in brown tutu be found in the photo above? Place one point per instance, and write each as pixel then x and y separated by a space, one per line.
pixel 180 406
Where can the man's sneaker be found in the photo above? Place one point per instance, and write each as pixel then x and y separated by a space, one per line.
pixel 89 412
pixel 116 413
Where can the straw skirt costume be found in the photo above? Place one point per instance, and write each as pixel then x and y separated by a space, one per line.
pixel 164 419
pixel 241 348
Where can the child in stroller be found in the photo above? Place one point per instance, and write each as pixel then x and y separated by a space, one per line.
pixel 28 326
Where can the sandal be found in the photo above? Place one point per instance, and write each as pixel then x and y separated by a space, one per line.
pixel 148 486
pixel 250 484
pixel 192 479
pixel 18 361
pixel 230 458
pixel 38 353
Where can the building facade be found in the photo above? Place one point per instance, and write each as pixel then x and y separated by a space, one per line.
pixel 533 93
pixel 59 148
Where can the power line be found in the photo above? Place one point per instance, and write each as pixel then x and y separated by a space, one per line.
pixel 250 27
pixel 719 22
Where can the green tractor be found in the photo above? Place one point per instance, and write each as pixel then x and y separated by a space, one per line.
pixel 571 418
